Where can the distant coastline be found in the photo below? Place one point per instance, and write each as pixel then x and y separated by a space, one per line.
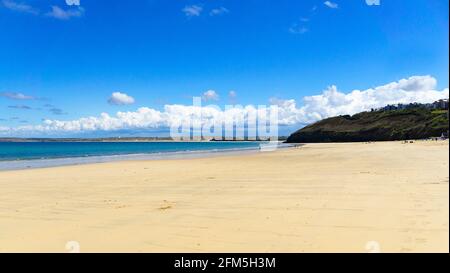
pixel 109 139
pixel 130 139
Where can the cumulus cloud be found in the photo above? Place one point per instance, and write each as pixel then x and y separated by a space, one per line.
pixel 331 102
pixel 65 14
pixel 210 95
pixel 193 10
pixel 331 5
pixel 218 11
pixel 118 98
pixel 16 96
pixel 20 7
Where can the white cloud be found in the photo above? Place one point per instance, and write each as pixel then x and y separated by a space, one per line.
pixel 218 11
pixel 56 11
pixel 63 14
pixel 193 10
pixel 330 102
pixel 333 102
pixel 73 2
pixel 331 5
pixel 16 96
pixel 118 98
pixel 298 29
pixel 373 2
pixel 20 7
pixel 232 96
pixel 21 107
pixel 210 95
pixel 56 111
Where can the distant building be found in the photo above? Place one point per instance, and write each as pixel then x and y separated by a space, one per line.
pixel 438 105
pixel 441 104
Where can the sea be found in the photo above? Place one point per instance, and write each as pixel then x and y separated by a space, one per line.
pixel 23 155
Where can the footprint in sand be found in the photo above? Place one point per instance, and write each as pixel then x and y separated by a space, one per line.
pixel 167 205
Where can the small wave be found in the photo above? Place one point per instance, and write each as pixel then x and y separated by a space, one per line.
pixel 90 159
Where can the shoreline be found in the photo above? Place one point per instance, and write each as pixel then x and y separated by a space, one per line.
pixel 317 198
pixel 9 165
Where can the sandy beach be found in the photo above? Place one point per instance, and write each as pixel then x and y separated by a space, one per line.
pixel 355 197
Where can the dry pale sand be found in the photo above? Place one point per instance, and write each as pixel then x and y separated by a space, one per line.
pixel 391 197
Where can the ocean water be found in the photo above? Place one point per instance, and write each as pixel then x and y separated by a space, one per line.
pixel 13 151
pixel 25 155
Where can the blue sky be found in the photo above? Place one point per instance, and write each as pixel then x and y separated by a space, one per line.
pixel 68 60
